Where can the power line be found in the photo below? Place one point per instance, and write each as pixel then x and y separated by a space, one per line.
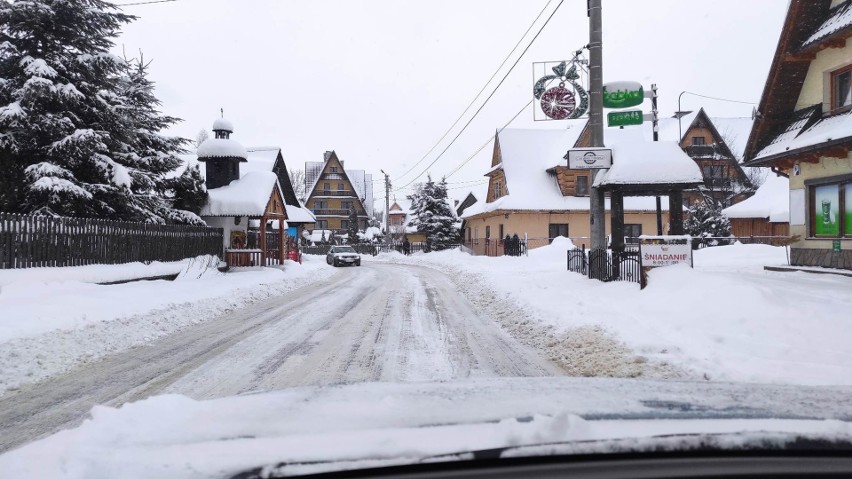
pixel 459 167
pixel 489 96
pixel 143 3
pixel 721 99
pixel 509 55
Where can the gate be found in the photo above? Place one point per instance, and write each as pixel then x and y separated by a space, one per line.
pixel 606 265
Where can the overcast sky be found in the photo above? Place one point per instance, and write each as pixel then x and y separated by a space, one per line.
pixel 380 81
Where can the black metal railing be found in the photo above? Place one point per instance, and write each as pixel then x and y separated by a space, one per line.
pixel 606 265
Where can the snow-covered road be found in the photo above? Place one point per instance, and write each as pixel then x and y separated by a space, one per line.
pixel 378 322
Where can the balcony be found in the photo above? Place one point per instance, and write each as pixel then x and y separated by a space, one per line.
pixel 332 193
pixel 701 151
pixel 331 212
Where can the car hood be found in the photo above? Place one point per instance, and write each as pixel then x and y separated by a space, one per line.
pixel 363 425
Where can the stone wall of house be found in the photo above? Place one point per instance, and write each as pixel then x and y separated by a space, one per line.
pixel 821 257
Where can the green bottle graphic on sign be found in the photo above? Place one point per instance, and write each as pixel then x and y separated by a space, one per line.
pixel 826 212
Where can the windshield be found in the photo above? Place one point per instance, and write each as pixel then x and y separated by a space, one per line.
pixel 322 235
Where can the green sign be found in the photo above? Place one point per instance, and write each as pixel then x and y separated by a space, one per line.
pixel 623 94
pixel 826 210
pixel 624 118
pixel 836 246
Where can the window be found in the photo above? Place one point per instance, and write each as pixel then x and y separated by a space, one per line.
pixel 841 89
pixel 498 189
pixel 697 140
pixel 344 224
pixel 501 232
pixel 333 169
pixel 322 224
pixel 632 232
pixel 582 188
pixel 346 205
pixel 557 229
pixel 321 205
pixel 326 186
pixel 340 187
pixel 830 212
pixel 488 232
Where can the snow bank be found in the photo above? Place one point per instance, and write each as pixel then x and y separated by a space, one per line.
pixel 85 321
pixel 725 320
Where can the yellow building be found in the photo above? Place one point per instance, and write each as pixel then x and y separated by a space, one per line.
pixel 804 129
pixel 332 196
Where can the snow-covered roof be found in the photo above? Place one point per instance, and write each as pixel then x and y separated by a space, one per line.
pixel 735 132
pixel 247 196
pixel 839 18
pixel 223 124
pixel 796 136
pixel 770 201
pixel 649 163
pixel 221 148
pixel 299 214
pixel 260 158
pixel 528 154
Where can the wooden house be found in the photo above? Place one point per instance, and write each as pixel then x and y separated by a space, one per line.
pixel 765 216
pixel 331 197
pixel 804 129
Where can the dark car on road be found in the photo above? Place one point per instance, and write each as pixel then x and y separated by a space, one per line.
pixel 339 255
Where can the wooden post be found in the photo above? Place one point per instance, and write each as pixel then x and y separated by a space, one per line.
pixel 616 220
pixel 281 253
pixel 676 212
pixel 262 240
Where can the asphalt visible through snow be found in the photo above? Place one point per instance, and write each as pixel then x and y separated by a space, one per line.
pixel 376 322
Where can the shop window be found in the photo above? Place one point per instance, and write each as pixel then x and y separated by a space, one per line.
pixel 582 186
pixel 830 211
pixel 557 229
pixel 841 89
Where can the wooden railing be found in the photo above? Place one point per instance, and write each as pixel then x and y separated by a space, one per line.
pixel 28 241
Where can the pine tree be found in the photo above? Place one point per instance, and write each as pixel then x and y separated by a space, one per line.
pixel 432 214
pixel 79 124
pixel 352 231
pixel 190 194
pixel 705 220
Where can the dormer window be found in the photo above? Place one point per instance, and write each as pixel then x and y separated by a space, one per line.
pixel 697 140
pixel 841 89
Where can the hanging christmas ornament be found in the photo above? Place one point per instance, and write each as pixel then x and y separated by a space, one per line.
pixel 560 103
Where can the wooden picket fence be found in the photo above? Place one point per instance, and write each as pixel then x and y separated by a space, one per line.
pixel 38 241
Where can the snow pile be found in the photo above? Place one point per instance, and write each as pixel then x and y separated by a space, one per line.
pixel 95 273
pixel 247 196
pixel 726 320
pixel 649 162
pixel 84 321
pixel 770 201
pixel 221 148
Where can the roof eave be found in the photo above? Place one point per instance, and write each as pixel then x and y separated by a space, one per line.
pixel 792 154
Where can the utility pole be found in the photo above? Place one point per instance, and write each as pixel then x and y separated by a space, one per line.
pixel 656 126
pixel 597 216
pixel 387 206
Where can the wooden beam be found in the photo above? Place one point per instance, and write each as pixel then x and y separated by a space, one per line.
pixel 799 57
pixel 836 152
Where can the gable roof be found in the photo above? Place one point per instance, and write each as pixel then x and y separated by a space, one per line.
pixel 271 158
pixel 328 157
pixel 526 155
pixel 247 196
pixel 771 201
pixel 836 27
pixel 786 74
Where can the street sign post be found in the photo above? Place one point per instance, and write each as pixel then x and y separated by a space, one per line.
pixel 625 118
pixel 622 94
pixel 589 158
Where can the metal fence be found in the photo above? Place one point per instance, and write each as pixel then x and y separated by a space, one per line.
pixel 606 264
pixel 28 241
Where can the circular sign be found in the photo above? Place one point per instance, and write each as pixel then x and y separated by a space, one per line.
pixel 558 103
